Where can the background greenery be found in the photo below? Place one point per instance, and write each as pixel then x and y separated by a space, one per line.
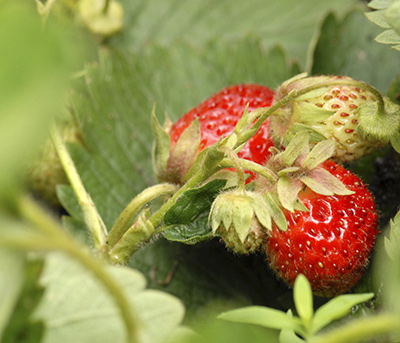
pixel 174 54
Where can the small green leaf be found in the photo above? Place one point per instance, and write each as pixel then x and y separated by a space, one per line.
pixel 307 113
pixel 388 37
pixel 193 203
pixel 197 231
pixel 336 308
pixel 263 316
pixel 288 335
pixel 392 15
pixel 378 18
pixel 380 4
pixel 303 299
pixel 391 241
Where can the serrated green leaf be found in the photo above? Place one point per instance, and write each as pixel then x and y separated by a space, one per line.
pixel 392 240
pixel 263 316
pixel 115 100
pixel 336 308
pixel 378 18
pixel 193 203
pixel 392 15
pixel 380 4
pixel 199 22
pixel 303 299
pixel 87 314
pixel 197 231
pixel 351 37
pixel 388 37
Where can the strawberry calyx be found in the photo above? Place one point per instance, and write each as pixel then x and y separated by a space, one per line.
pixel 298 167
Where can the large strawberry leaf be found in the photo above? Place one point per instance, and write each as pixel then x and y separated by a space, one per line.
pixel 346 47
pixel 86 314
pixel 283 22
pixel 116 101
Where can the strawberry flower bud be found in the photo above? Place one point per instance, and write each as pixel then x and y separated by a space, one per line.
pixel 242 220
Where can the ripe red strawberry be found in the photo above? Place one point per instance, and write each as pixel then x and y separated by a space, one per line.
pixel 331 112
pixel 332 242
pixel 219 114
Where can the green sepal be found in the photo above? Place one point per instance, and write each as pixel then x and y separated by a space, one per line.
pixel 276 212
pixel 196 231
pixel 374 125
pixel 183 154
pixel 391 241
pixel 262 213
pixel 315 136
pixel 323 182
pixel 288 189
pixel 392 16
pixel 295 148
pixel 161 146
pixel 193 203
pixel 319 154
pixel 133 239
pixel 395 141
pixel 378 18
pixel 307 113
pixel 288 170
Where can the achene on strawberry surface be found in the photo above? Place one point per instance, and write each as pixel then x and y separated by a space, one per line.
pixel 219 114
pixel 332 242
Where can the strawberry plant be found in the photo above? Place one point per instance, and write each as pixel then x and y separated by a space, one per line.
pixel 232 174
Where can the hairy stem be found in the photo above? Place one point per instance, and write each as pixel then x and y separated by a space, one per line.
pixel 123 221
pixel 91 216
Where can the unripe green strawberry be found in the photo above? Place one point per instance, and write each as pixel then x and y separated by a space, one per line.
pixel 330 112
pixel 46 172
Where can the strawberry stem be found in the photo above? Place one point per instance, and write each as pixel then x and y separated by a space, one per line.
pixel 236 161
pixel 122 223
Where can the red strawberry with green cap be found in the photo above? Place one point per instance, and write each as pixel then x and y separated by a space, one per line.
pixel 206 124
pixel 331 242
pixel 331 111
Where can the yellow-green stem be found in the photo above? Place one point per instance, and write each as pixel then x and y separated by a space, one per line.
pixel 123 221
pixel 91 216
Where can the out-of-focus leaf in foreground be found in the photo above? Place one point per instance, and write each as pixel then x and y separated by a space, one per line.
pixel 76 308
pixel 35 66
